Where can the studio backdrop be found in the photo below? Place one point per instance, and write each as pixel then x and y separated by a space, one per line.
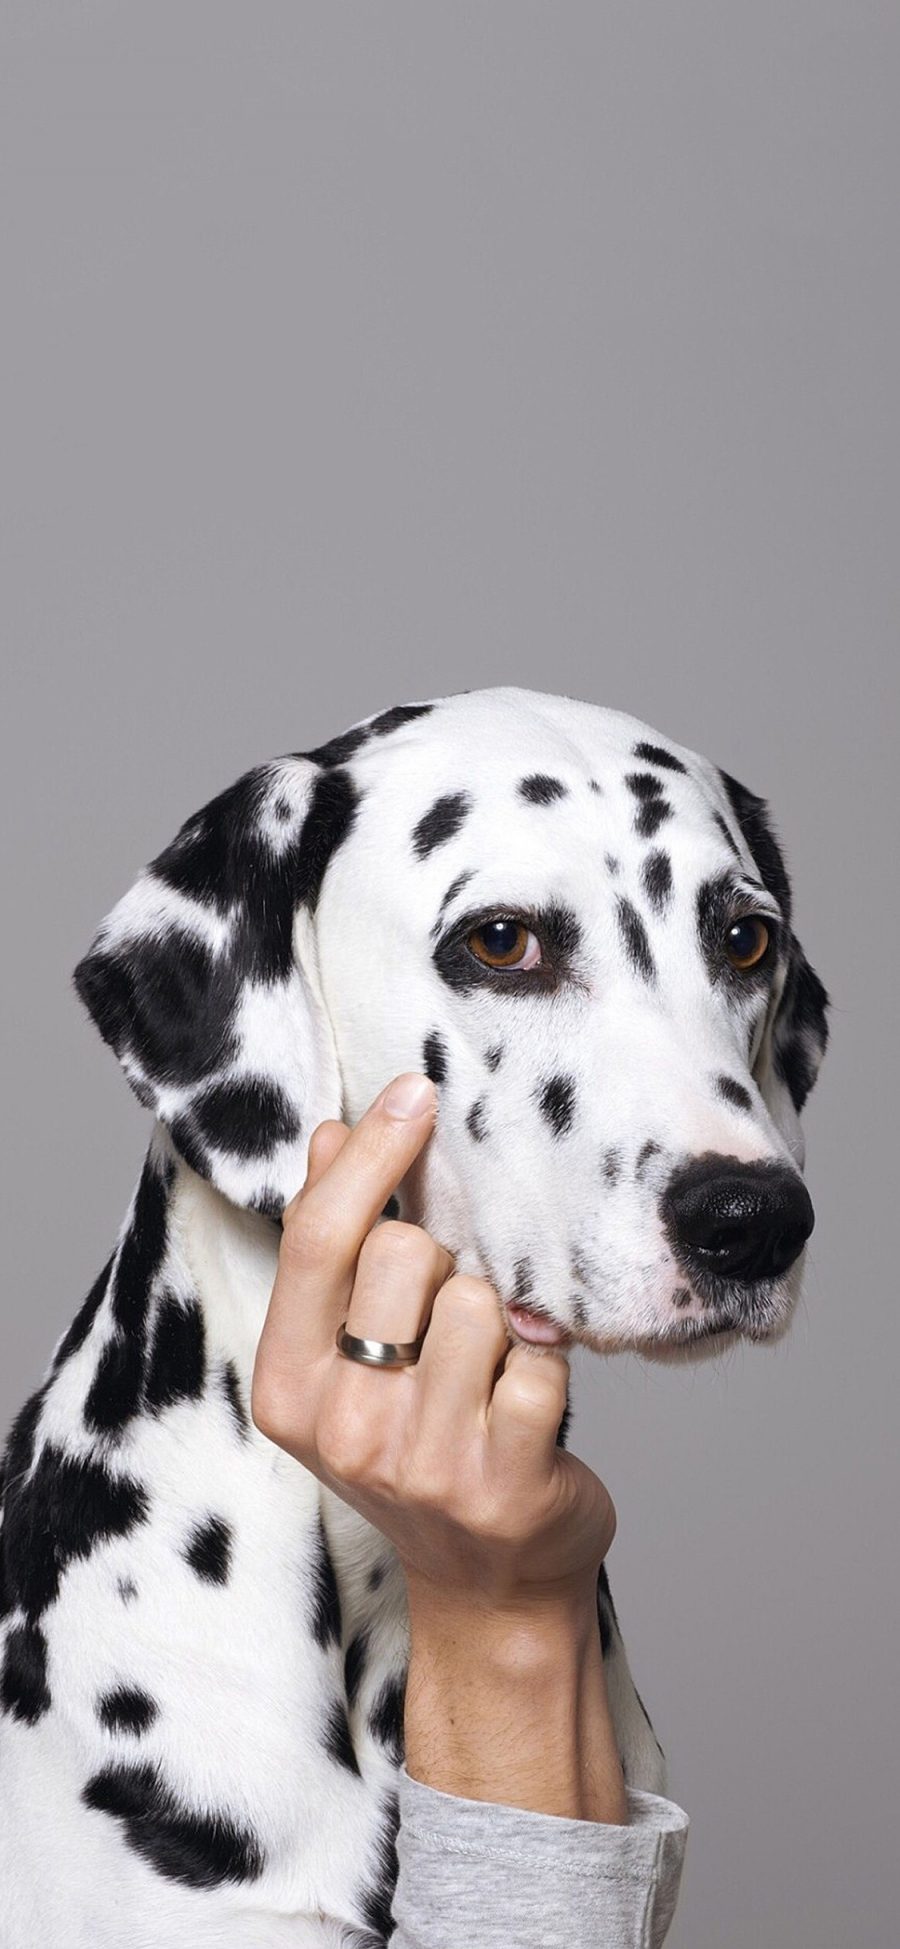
pixel 354 356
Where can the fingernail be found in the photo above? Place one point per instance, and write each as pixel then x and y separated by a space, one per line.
pixel 408 1096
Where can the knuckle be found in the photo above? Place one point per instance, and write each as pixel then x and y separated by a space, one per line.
pixel 309 1234
pixel 469 1297
pixel 430 1489
pixel 395 1246
pixel 533 1395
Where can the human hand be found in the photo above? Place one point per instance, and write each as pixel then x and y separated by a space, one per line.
pixel 454 1458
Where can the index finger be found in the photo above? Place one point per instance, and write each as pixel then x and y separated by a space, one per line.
pixel 325 1225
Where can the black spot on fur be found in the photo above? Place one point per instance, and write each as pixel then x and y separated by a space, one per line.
pixel 523 1276
pixel 58 1514
pixel 635 941
pixel 727 834
pixel 796 1067
pixel 753 817
pixel 375 1900
pixel 644 785
pixel 581 1268
pixel 245 1117
pixel 656 876
pixel 434 1058
pixel 398 714
pixel 539 789
pixel 377 1575
pixel 340 749
pixel 326 1603
pixel 612 1166
pixel 301 871
pixel 595 785
pixel 650 816
pixel 653 808
pixel 165 1002
pixel 232 1390
pixel 386 1717
pixel 24 1692
pixel 142 1248
pixel 127 1589
pixel 208 1550
pixel 613 866
pixel 177 1366
pixel 682 1296
pixel 561 932
pixel 221 856
pixel 801 1027
pixel 655 754
pixel 475 1122
pixel 355 1664
pixel 442 820
pixel 127 1709
pixel 269 1203
pixel 283 810
pixel 338 1739
pixel 187 1141
pixel 557 1103
pixel 201 1850
pixel 493 1058
pixel 734 1092
pixel 114 1396
pixel 646 1152
pixel 84 1319
pixel 455 887
pixel 115 1393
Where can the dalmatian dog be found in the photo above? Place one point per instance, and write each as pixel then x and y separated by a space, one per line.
pixel 583 933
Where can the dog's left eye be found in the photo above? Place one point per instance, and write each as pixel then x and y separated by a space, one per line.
pixel 746 941
pixel 504 944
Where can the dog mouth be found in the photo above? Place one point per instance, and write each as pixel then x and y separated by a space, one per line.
pixel 536 1327
pixel 532 1324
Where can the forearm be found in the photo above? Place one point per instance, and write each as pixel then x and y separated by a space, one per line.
pixel 513 1710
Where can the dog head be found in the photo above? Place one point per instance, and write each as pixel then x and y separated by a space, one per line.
pixel 583 933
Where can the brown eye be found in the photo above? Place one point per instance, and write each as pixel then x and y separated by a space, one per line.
pixel 504 944
pixel 746 942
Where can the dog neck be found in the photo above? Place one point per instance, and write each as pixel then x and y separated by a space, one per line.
pixel 232 1258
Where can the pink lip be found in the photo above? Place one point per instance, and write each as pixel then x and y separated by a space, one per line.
pixel 535 1327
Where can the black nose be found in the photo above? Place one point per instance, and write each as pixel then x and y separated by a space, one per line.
pixel 736 1221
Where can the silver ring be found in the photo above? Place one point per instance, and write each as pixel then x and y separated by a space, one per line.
pixel 378 1353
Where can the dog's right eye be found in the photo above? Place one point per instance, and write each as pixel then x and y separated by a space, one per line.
pixel 747 940
pixel 504 943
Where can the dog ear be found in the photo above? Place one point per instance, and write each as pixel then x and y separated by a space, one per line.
pixel 203 979
pixel 796 1032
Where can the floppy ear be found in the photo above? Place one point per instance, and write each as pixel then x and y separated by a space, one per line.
pixel 203 979
pixel 796 1032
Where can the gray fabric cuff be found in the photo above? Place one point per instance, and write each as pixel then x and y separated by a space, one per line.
pixel 481 1874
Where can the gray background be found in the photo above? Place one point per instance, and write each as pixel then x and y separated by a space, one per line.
pixel 358 354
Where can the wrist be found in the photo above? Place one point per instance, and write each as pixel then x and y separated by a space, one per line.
pixel 510 1705
pixel 546 1618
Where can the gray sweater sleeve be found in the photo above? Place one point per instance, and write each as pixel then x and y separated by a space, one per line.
pixel 477 1875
